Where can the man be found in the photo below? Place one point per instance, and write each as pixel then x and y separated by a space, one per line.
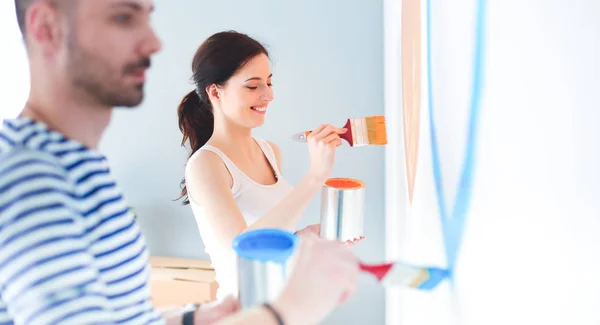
pixel 71 252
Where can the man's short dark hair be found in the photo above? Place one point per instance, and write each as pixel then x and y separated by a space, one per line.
pixel 21 7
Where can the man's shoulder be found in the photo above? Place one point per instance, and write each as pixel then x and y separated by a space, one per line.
pixel 24 160
pixel 22 133
pixel 26 172
pixel 25 133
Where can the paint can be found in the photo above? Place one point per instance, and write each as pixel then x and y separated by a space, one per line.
pixel 342 209
pixel 262 264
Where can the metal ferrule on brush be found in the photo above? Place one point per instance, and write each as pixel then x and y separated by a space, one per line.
pixel 300 137
pixel 422 278
pixel 360 134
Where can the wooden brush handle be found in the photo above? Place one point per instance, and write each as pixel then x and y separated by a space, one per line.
pixel 346 136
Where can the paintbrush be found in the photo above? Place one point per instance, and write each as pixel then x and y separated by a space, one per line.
pixel 364 131
pixel 400 274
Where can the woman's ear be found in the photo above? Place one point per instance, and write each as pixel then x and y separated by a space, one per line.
pixel 213 93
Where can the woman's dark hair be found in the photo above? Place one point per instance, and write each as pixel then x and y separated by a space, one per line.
pixel 216 60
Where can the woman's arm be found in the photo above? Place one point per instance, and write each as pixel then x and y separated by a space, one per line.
pixel 209 184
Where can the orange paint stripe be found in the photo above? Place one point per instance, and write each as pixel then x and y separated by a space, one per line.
pixel 411 87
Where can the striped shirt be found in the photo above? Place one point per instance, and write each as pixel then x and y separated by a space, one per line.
pixel 71 251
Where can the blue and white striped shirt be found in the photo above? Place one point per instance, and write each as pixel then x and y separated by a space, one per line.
pixel 70 250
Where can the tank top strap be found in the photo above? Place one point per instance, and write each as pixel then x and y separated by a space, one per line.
pixel 234 171
pixel 270 154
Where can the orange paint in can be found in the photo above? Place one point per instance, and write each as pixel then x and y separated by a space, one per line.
pixel 344 183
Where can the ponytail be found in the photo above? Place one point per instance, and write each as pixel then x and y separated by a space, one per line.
pixel 196 123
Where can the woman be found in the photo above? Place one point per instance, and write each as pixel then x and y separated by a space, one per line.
pixel 233 181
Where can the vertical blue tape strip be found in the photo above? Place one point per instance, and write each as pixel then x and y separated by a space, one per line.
pixel 453 225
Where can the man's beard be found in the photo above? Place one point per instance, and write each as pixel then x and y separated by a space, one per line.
pixel 95 77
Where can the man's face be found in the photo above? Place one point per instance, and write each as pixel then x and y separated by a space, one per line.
pixel 108 48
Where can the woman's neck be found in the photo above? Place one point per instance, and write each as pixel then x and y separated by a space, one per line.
pixel 232 137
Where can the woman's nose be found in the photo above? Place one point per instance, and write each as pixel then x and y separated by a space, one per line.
pixel 267 95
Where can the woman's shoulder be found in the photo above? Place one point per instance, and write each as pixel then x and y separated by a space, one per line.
pixel 205 160
pixel 205 169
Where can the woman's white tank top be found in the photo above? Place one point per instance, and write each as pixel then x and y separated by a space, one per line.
pixel 253 199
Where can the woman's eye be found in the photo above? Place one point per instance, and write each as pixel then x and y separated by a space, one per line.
pixel 252 88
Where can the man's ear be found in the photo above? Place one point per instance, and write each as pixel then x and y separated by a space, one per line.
pixel 44 27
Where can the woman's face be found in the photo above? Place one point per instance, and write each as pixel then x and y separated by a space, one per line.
pixel 246 95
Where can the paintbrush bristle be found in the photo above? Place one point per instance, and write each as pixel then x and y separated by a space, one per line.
pixel 369 130
pixel 376 130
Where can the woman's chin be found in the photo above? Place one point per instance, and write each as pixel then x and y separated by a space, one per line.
pixel 257 122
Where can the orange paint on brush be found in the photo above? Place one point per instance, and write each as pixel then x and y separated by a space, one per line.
pixel 344 183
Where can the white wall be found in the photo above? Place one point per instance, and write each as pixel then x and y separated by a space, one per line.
pixel 530 252
pixel 14 79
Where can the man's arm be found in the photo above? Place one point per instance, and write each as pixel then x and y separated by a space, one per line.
pixel 256 315
pixel 325 275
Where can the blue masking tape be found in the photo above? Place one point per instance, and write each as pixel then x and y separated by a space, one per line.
pixel 453 225
pixel 266 245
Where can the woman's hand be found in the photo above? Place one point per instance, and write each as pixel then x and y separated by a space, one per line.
pixel 352 243
pixel 316 230
pixel 312 229
pixel 322 143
